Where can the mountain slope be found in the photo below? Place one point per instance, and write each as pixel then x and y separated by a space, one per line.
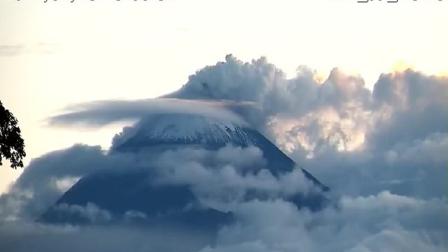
pixel 133 192
pixel 183 130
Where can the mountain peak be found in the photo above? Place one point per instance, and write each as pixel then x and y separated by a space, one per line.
pixel 182 129
pixel 130 190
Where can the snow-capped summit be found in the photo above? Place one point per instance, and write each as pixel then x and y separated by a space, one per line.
pixel 160 132
pixel 183 129
pixel 130 191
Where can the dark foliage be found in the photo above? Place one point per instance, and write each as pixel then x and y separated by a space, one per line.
pixel 11 143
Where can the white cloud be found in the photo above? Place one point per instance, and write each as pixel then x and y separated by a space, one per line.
pixel 383 152
pixel 383 222
pixel 228 176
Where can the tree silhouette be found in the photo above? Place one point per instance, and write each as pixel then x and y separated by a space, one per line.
pixel 11 143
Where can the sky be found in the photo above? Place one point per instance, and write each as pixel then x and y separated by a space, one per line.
pixel 355 92
pixel 56 54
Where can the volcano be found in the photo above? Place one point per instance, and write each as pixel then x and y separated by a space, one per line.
pixel 131 195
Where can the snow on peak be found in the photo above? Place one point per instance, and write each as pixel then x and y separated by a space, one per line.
pixel 183 128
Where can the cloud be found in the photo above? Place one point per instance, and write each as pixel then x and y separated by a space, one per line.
pixel 228 176
pixel 42 180
pixel 382 152
pixel 46 178
pixel 267 86
pixel 216 177
pixel 90 213
pixel 383 222
pixel 394 144
pixel 219 178
pixel 391 138
pixel 104 112
pixel 412 106
pixel 20 236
